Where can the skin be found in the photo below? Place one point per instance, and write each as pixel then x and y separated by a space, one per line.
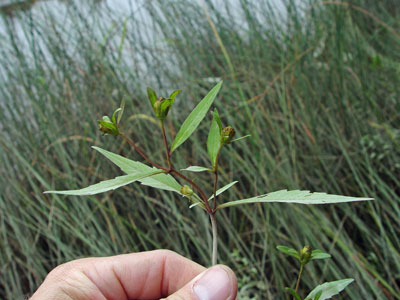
pixel 146 275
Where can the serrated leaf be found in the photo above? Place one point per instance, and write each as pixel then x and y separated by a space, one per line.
pixel 107 185
pixel 196 169
pixel 293 292
pixel 296 196
pixel 288 251
pixel 319 254
pixel 218 192
pixel 128 166
pixel 329 289
pixel 195 117
pixel 214 138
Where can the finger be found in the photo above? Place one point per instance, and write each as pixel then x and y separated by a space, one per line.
pixel 145 275
pixel 216 283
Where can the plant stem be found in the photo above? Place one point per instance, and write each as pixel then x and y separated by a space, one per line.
pixel 298 278
pixel 179 174
pixel 166 145
pixel 215 239
pixel 216 178
pixel 215 190
pixel 140 151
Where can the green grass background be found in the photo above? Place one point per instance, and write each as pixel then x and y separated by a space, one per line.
pixel 316 84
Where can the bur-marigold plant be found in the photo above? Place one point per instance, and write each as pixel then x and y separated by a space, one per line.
pixel 163 175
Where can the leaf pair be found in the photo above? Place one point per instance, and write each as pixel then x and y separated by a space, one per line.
pixel 324 291
pixel 315 254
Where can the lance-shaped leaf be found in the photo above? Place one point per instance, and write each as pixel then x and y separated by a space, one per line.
pixel 241 138
pixel 329 289
pixel 223 189
pixel 218 192
pixel 319 254
pixel 214 138
pixel 107 185
pixel 288 251
pixel 195 117
pixel 296 196
pixel 128 166
pixel 196 169
pixel 151 94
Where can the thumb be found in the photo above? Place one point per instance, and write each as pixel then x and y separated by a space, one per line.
pixel 216 283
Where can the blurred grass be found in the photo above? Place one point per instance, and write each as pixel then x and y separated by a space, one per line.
pixel 316 84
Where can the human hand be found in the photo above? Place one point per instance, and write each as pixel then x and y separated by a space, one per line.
pixel 138 276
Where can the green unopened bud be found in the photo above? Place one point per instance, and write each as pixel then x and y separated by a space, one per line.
pixel 227 135
pixel 107 127
pixel 186 191
pixel 305 255
pixel 161 107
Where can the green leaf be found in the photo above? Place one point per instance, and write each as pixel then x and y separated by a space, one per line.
pixel 196 169
pixel 223 189
pixel 241 138
pixel 318 295
pixel 296 196
pixel 174 94
pixel 329 289
pixel 107 127
pixel 107 185
pixel 195 117
pixel 293 292
pixel 165 106
pixel 319 254
pixel 114 114
pixel 152 96
pixel 214 138
pixel 160 181
pixel 218 192
pixel 288 251
pixel 121 111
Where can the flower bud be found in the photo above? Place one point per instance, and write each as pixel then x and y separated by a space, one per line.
pixel 186 191
pixel 227 135
pixel 107 127
pixel 161 107
pixel 305 255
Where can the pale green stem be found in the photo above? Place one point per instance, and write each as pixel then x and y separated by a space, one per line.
pixel 215 239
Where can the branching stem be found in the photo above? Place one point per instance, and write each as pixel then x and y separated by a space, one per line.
pixel 140 151
pixel 171 170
